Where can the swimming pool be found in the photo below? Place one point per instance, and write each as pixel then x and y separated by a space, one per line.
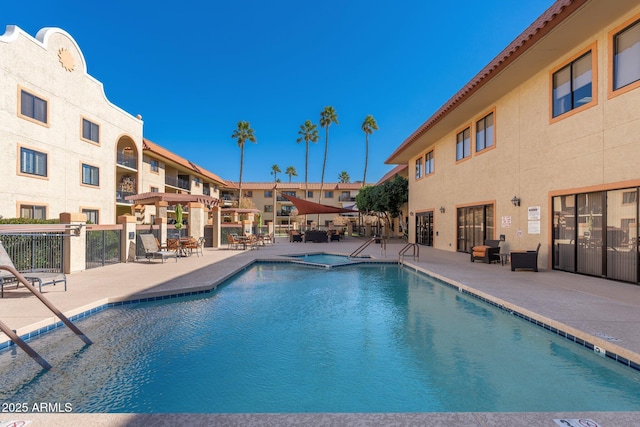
pixel 325 259
pixel 285 338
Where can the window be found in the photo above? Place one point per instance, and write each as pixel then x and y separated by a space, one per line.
pixel 629 197
pixel 90 131
pixel 428 163
pixel 328 194
pixel 90 175
pixel 572 85
pixel 196 181
pixel 33 212
pixel 155 166
pixel 626 56
pixel 484 133
pixel 309 194
pixel 419 168
pixel 248 193
pixel 33 162
pixel 155 190
pixel 92 215
pixel 268 208
pixel 33 107
pixel 290 193
pixel 463 144
pixel 268 193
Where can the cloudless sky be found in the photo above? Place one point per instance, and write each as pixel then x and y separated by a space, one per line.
pixel 193 69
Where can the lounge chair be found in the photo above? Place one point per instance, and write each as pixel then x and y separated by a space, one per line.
pixel 525 259
pixel 200 246
pixel 488 252
pixel 42 276
pixel 151 249
pixel 265 238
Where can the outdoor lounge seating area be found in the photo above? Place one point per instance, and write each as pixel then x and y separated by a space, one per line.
pixel 316 236
pixel 295 236
pixel 151 249
pixel 525 259
pixel 487 253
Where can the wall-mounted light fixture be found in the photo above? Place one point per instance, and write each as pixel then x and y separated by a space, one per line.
pixel 411 213
pixel 442 209
pixel 515 201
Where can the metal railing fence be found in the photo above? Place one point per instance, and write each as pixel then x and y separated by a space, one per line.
pixel 103 247
pixel 35 251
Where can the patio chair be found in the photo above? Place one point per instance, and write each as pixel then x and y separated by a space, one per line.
pixel 151 249
pixel 232 241
pixel 42 276
pixel 525 259
pixel 295 236
pixel 488 252
pixel 200 246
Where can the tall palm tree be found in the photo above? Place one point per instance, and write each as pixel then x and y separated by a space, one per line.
pixel 291 171
pixel 368 126
pixel 327 116
pixel 344 177
pixel 308 133
pixel 242 134
pixel 275 170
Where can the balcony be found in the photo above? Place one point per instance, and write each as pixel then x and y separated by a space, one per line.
pixel 127 160
pixel 120 197
pixel 346 199
pixel 177 182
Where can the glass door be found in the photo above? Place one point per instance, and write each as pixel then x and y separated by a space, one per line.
pixel 424 228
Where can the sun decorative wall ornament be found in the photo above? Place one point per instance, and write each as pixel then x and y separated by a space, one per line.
pixel 66 59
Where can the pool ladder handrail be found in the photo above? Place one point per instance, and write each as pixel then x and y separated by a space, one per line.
pixel 405 249
pixel 14 336
pixel 362 247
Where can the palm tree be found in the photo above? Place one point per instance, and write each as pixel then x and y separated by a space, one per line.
pixel 243 134
pixel 275 170
pixel 291 171
pixel 368 126
pixel 327 116
pixel 344 177
pixel 308 133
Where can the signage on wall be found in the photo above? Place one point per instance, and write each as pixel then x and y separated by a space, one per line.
pixel 533 214
pixel 506 221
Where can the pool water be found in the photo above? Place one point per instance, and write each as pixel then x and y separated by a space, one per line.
pixel 286 338
pixel 324 259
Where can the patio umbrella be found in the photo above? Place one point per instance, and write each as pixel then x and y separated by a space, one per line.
pixel 178 216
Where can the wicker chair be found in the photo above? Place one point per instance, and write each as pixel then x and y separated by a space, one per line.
pixel 487 253
pixel 525 259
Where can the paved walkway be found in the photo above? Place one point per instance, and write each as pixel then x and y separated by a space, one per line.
pixel 602 312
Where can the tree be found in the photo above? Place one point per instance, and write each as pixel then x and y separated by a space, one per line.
pixel 344 177
pixel 291 171
pixel 243 134
pixel 384 200
pixel 308 133
pixel 327 116
pixel 275 170
pixel 368 126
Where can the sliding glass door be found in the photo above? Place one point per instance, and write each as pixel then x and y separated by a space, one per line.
pixel 475 225
pixel 424 228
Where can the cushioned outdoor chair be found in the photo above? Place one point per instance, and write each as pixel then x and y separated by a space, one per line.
pixel 295 236
pixel 525 259
pixel 487 253
pixel 151 249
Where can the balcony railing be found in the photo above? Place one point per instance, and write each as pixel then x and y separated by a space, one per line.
pixel 177 182
pixel 346 199
pixel 120 197
pixel 127 160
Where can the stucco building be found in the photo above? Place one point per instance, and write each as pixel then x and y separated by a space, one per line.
pixel 540 146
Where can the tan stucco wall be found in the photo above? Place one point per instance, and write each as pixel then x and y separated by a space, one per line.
pixel 533 157
pixel 33 63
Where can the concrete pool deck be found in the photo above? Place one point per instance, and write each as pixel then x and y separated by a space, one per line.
pixel 603 312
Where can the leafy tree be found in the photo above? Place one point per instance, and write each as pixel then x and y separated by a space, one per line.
pixel 327 116
pixel 242 134
pixel 291 171
pixel 368 127
pixel 384 200
pixel 344 177
pixel 275 170
pixel 308 133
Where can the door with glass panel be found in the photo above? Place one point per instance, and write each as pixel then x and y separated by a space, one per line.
pixel 424 228
pixel 475 225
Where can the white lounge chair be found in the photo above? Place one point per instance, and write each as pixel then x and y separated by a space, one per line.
pixel 151 249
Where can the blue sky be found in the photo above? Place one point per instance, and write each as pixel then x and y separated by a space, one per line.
pixel 193 69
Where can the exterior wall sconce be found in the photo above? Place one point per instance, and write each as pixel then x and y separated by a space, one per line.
pixel 411 213
pixel 515 201
pixel 442 210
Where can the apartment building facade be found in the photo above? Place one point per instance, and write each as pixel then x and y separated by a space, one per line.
pixel 539 147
